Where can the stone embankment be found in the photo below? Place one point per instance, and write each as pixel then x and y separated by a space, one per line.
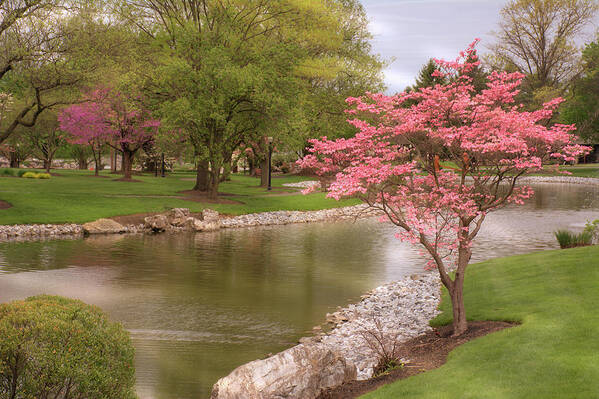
pixel 391 313
pixel 179 220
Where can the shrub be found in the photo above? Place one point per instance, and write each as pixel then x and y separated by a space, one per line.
pixel 21 172
pixel 567 239
pixel 43 176
pixel 29 175
pixel 383 344
pixel 54 347
pixel 7 172
pixel 35 175
pixel 592 228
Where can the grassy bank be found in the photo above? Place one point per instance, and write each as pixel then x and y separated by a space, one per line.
pixel 77 196
pixel 553 354
pixel 582 170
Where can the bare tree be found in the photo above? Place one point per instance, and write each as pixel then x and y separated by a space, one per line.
pixel 537 38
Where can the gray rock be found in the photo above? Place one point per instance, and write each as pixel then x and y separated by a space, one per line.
pixel 301 372
pixel 202 225
pixel 103 226
pixel 156 223
pixel 209 215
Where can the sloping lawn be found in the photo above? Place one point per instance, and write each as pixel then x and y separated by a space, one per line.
pixel 553 354
pixel 77 196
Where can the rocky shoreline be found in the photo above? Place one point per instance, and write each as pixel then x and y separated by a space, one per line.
pixel 394 312
pixel 178 220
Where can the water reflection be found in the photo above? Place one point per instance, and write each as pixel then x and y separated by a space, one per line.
pixel 199 305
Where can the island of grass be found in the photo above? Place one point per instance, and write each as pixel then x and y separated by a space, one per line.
pixel 553 353
pixel 73 196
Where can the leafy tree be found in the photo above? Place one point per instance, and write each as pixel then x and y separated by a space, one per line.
pixel 49 51
pixel 490 142
pixel 582 107
pixel 107 117
pixel 537 38
pixel 46 138
pixel 226 70
pixel 60 348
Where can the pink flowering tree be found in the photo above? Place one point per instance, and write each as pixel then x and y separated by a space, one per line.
pixel 487 142
pixel 86 126
pixel 109 117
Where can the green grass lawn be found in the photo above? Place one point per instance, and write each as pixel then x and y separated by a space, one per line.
pixel 582 170
pixel 553 354
pixel 77 196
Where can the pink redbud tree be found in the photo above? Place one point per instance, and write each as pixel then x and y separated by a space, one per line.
pixel 394 162
pixel 108 116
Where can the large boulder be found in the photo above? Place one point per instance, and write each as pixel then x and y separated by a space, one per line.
pixel 209 215
pixel 301 372
pixel 201 225
pixel 103 226
pixel 156 223
pixel 178 217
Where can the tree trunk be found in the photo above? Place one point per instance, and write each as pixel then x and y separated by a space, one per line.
pixel 14 160
pixel 460 325
pixel 264 172
pixel 128 164
pixel 48 165
pixel 213 184
pixel 202 176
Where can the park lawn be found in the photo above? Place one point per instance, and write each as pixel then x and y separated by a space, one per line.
pixel 554 353
pixel 77 197
pixel 581 170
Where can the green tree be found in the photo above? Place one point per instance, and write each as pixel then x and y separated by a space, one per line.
pixel 425 77
pixel 46 138
pixel 582 106
pixel 49 53
pixel 60 348
pixel 538 38
pixel 228 73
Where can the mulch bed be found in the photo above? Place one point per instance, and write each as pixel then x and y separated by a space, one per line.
pixel 426 352
pixel 5 205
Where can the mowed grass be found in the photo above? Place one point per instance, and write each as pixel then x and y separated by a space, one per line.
pixel 77 197
pixel 554 353
pixel 582 170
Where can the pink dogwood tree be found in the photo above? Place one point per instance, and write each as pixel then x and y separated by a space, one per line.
pixel 487 142
pixel 108 117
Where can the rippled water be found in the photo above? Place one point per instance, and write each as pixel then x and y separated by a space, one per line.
pixel 199 305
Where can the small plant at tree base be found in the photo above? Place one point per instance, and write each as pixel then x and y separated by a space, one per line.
pixel 60 348
pixel 394 162
pixel 384 344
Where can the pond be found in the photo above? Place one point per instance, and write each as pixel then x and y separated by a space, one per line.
pixel 199 305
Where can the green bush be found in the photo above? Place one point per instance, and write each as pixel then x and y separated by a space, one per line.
pixel 54 347
pixel 567 239
pixel 21 172
pixel 7 172
pixel 29 175
pixel 35 175
pixel 592 228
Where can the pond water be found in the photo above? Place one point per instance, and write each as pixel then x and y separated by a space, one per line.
pixel 199 305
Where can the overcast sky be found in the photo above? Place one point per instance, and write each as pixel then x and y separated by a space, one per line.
pixel 412 31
